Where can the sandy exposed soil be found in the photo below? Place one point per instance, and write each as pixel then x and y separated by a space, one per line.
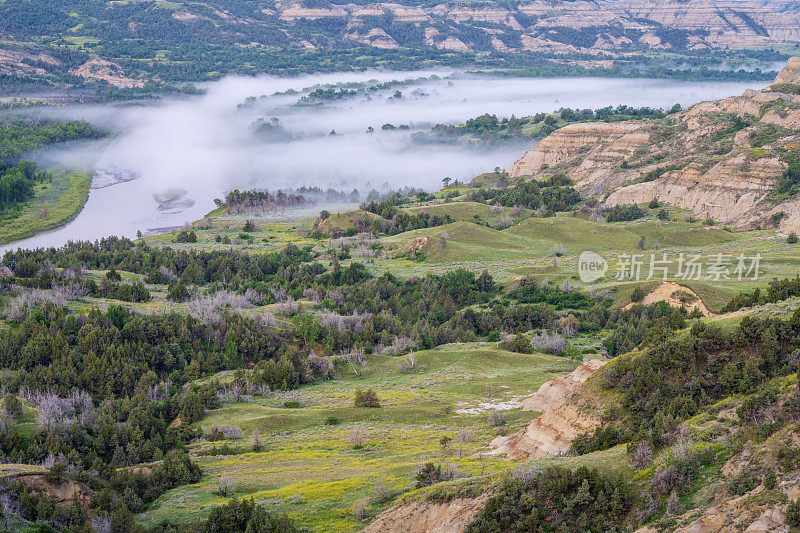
pixel 675 295
pixel 427 517
pixel 561 421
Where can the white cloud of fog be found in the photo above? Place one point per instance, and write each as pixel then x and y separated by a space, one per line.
pixel 206 146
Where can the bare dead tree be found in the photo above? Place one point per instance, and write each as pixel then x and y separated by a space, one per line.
pixel 642 454
pixel 400 345
pixel 357 360
pixel 225 485
pixel 526 473
pixel 288 307
pixel 101 523
pixel 360 510
pixel 463 436
pixel 408 364
pixel 674 506
pixel 54 410
pixel 9 508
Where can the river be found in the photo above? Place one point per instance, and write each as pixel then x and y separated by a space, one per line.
pixel 190 150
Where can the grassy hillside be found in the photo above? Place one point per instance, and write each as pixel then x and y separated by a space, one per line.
pixel 247 343
pixel 452 387
pixel 314 471
pixel 53 205
pixel 116 49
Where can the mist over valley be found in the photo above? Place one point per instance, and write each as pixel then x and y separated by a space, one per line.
pixel 272 133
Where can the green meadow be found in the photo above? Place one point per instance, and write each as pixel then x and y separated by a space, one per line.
pixel 546 248
pixel 54 204
pixel 317 460
pixel 332 466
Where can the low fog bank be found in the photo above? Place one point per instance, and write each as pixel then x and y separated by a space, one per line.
pixel 200 147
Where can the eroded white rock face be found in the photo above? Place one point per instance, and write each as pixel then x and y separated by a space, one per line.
pixel 705 165
pixel 791 73
pixel 560 423
pixel 717 24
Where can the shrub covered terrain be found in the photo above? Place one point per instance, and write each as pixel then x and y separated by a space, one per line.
pixel 319 371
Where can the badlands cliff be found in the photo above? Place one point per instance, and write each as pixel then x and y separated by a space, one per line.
pixel 602 31
pixel 561 422
pixel 720 159
pixel 543 25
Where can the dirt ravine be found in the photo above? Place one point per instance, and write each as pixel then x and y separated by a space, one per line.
pixel 422 516
pixel 64 492
pixel 560 423
pixel 675 295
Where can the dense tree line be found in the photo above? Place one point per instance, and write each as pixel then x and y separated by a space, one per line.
pixel 372 312
pixel 109 388
pixel 244 201
pixel 638 324
pixel 557 499
pixel 777 290
pixel 675 377
pixel 326 94
pixel 244 515
pixel 18 137
pixel 395 220
pixel 625 213
pixel 489 128
pixel 531 290
pixel 61 352
pixel 427 311
pixel 554 193
pixel 17 183
pixel 196 267
pixel 614 114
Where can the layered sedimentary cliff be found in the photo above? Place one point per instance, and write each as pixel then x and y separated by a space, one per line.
pixel 720 159
pixel 561 422
pixel 602 31
pixel 422 516
pixel 540 25
pixel 790 74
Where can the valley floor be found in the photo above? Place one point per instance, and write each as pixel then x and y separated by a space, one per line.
pixel 55 204
pixel 331 466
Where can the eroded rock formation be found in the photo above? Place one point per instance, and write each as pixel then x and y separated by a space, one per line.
pixel 560 423
pixel 606 25
pixel 422 516
pixel 720 159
